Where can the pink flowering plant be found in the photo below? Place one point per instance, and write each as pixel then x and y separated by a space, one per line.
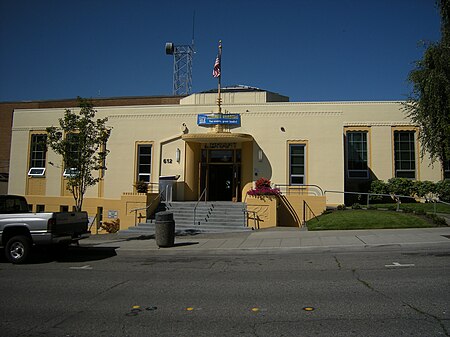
pixel 263 187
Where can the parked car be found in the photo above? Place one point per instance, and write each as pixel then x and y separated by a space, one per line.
pixel 21 229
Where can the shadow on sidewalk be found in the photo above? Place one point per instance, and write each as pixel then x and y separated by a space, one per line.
pixel 182 244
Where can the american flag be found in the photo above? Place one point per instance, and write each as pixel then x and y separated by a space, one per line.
pixel 216 69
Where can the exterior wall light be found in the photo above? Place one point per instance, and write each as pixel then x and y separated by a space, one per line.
pixel 178 155
pixel 260 155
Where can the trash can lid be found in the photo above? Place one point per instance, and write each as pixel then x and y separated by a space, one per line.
pixel 174 177
pixel 164 216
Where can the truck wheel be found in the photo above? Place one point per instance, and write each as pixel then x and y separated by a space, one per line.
pixel 17 249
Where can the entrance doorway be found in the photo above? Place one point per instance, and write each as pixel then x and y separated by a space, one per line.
pixel 220 181
pixel 220 174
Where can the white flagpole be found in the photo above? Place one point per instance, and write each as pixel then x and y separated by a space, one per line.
pixel 219 99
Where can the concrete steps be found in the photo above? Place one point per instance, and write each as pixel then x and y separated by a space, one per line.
pixel 210 217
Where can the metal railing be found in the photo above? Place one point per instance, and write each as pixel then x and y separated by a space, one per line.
pixel 300 189
pixel 437 201
pixel 135 210
pixel 196 205
pixel 96 224
pixel 305 205
pixel 396 197
pixel 255 218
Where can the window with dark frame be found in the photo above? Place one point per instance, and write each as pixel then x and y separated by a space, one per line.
pixel 297 164
pixel 357 166
pixel 144 162
pixel 447 169
pixel 405 154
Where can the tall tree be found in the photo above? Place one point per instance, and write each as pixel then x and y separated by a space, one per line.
pixel 81 141
pixel 429 103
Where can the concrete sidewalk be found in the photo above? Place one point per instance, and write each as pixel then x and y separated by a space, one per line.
pixel 280 238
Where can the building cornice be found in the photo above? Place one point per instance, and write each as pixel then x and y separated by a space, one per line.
pixel 378 123
pixel 30 128
pixel 243 114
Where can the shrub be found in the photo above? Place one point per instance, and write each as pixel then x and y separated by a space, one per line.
pixel 111 227
pixel 378 187
pixel 356 206
pixel 341 207
pixel 401 186
pixel 141 186
pixel 424 188
pixel 443 190
pixel 263 187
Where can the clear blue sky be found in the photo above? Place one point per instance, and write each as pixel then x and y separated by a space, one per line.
pixel 309 50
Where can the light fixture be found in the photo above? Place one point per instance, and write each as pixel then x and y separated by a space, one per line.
pixel 260 155
pixel 178 155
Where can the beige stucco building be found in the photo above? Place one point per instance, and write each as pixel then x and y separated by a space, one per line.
pixel 335 145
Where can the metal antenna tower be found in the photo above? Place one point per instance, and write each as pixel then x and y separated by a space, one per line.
pixel 182 65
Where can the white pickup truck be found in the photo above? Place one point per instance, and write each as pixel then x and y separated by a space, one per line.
pixel 20 229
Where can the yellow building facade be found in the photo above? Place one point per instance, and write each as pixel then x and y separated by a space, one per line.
pixel 335 146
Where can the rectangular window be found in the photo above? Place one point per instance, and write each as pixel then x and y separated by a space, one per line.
pixel 40 208
pixel 73 152
pixel 38 151
pixel 404 154
pixel 447 169
pixel 102 154
pixel 357 154
pixel 297 164
pixel 144 162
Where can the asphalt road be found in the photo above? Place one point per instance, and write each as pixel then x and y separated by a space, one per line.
pixel 96 292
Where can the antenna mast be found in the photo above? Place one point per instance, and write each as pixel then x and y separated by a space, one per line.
pixel 182 65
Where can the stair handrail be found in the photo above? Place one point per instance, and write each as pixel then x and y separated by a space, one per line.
pixel 255 218
pixel 147 207
pixel 96 224
pixel 305 205
pixel 198 201
pixel 310 189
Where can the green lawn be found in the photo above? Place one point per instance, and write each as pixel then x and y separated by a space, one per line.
pixel 428 208
pixel 367 219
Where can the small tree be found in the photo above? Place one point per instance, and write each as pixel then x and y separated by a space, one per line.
pixel 81 141
pixel 429 103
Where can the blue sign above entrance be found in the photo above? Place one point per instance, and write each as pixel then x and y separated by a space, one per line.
pixel 218 119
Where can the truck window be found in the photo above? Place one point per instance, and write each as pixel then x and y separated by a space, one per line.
pixel 13 204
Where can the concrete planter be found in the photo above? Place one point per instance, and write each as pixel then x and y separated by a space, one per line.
pixel 265 208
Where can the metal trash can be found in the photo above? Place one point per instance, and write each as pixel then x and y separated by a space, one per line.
pixel 165 229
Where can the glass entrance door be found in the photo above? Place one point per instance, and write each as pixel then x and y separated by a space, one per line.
pixel 220 173
pixel 220 182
